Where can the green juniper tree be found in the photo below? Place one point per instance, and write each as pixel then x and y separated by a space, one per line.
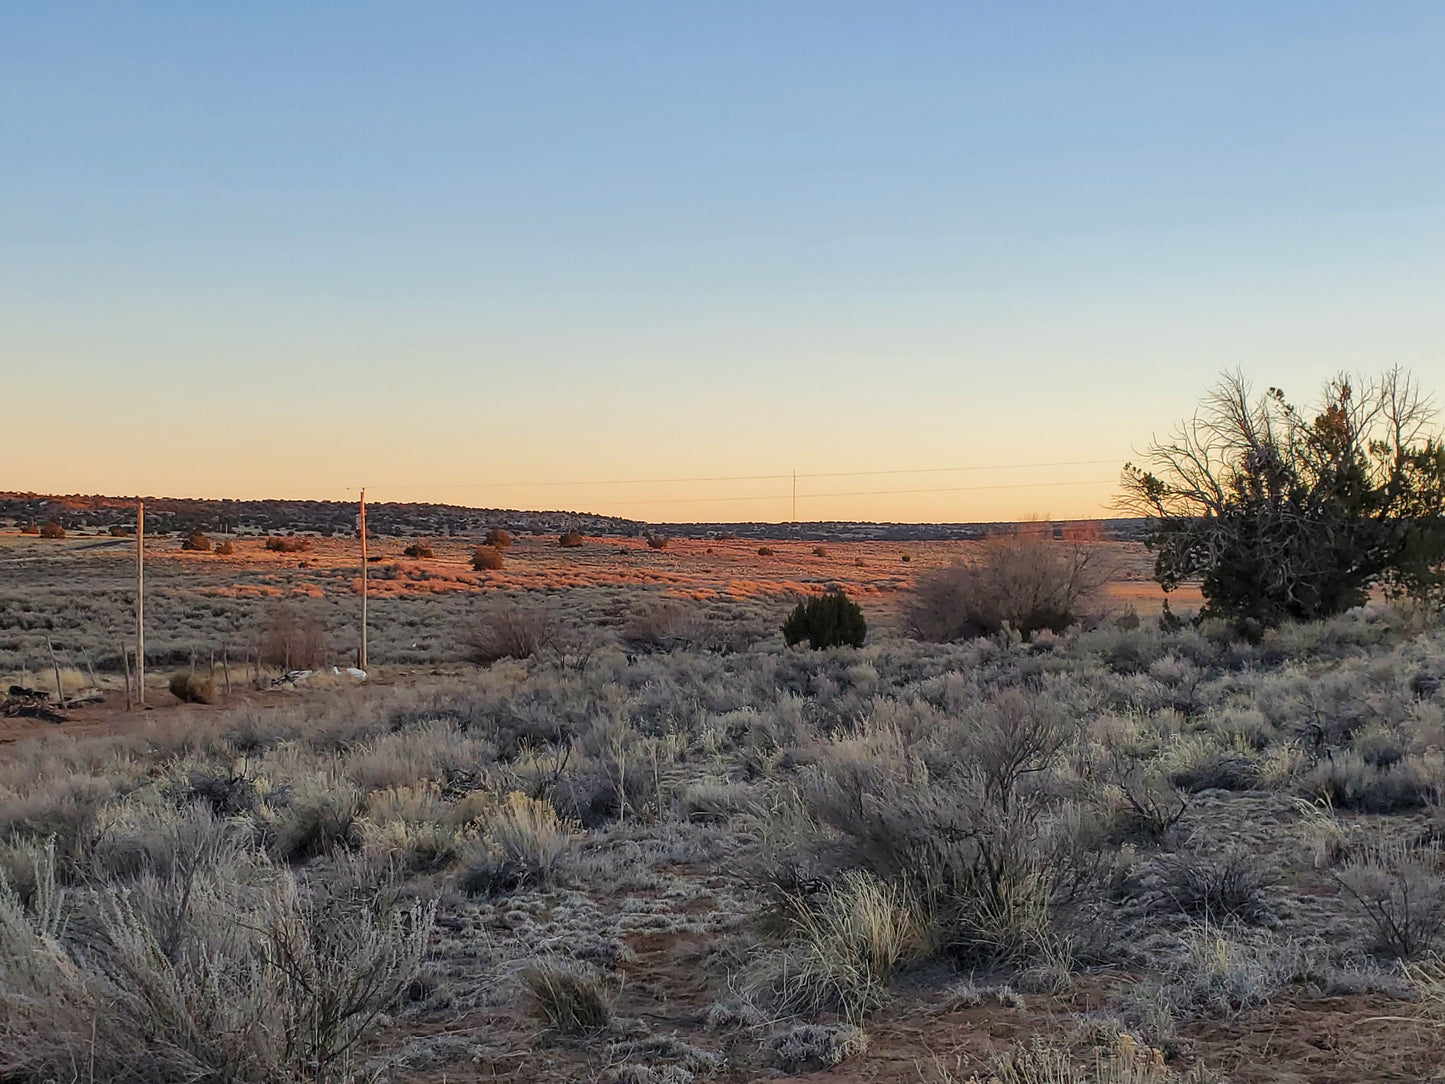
pixel 1286 515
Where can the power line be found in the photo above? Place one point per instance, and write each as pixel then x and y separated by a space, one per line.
pixel 761 477
pixel 875 492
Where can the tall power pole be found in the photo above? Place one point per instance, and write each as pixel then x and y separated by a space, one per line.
pixel 795 496
pixel 361 662
pixel 140 602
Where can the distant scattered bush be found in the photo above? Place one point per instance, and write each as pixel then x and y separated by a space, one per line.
pixel 225 549
pixel 569 539
pixel 287 545
pixel 418 549
pixel 121 530
pixel 1026 583
pixel 905 558
pixel 657 541
pixel 52 530
pixel 820 551
pixel 30 528
pixel 487 559
pixel 766 551
pixel 193 688
pixel 497 538
pixel 831 619
pixel 196 541
pixel 508 630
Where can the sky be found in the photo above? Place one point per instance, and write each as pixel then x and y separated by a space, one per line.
pixel 948 262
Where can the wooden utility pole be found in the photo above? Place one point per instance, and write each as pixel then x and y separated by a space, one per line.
pixel 361 661
pixel 795 496
pixel 140 602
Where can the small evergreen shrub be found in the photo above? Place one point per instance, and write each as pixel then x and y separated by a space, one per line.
pixel 830 620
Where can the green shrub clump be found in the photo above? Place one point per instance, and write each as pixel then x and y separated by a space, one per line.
pixel 830 620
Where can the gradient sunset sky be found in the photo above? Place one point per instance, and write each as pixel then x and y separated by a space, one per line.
pixel 456 251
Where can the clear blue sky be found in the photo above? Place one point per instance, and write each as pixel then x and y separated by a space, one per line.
pixel 427 247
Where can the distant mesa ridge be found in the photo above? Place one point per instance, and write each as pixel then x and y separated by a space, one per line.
pixel 170 514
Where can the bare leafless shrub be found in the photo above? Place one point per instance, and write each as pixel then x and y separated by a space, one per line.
pixel 570 996
pixel 1214 888
pixel 291 640
pixel 223 972
pixel 508 630
pixel 665 626
pixel 1400 887
pixel 977 827
pixel 1026 583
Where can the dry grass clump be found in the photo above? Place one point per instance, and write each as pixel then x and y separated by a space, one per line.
pixel 320 817
pixel 1025 583
pixel 197 542
pixel 191 688
pixel 225 549
pixel 843 950
pixel 52 530
pixel 656 541
pixel 570 996
pixel 418 550
pixel 766 551
pixel 487 559
pixel 570 539
pixel 1043 1062
pixel 508 630
pixel 497 538
pixel 523 841
pixel 277 544
pixel 30 528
